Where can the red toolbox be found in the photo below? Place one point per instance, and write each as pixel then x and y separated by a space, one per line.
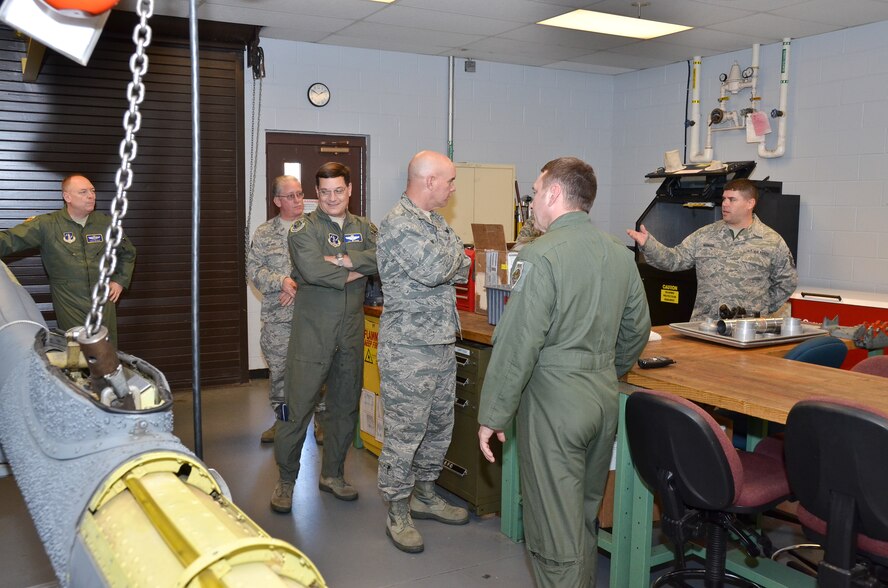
pixel 465 293
pixel 851 307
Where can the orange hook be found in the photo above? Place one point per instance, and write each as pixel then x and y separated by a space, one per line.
pixel 89 6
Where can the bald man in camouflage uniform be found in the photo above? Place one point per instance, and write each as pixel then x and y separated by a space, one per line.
pixel 740 261
pixel 420 259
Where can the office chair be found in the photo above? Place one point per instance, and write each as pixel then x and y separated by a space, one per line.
pixel 827 351
pixel 877 365
pixel 702 481
pixel 835 460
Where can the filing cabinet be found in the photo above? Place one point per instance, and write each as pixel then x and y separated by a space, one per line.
pixel 466 473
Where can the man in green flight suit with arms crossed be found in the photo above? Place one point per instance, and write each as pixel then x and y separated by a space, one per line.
pixel 71 241
pixel 333 252
pixel 577 319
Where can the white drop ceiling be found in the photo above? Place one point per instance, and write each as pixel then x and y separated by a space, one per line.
pixel 505 30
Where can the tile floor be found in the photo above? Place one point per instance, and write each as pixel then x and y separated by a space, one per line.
pixel 345 540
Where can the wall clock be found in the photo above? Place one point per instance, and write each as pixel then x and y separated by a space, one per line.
pixel 318 94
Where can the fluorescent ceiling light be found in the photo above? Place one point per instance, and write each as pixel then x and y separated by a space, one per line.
pixel 611 24
pixel 384 1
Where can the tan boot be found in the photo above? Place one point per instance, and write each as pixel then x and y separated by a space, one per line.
pixel 282 497
pixel 268 435
pixel 318 430
pixel 399 527
pixel 426 504
pixel 338 487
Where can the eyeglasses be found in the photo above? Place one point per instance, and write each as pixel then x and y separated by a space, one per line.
pixel 325 192
pixel 86 191
pixel 292 196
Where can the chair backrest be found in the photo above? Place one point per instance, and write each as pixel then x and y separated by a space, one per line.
pixel 835 447
pixel 827 351
pixel 670 434
pixel 877 365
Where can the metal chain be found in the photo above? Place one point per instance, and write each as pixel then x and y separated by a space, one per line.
pixel 132 121
pixel 255 118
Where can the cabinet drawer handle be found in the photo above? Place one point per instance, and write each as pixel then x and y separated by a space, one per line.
pixel 461 381
pixel 462 361
pixel 455 468
pixel 461 402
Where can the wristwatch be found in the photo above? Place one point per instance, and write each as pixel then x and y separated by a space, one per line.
pixel 339 260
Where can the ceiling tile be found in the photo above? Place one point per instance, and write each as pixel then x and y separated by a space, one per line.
pixel 435 20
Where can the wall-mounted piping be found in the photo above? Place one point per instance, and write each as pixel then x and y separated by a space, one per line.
pixel 780 112
pixel 450 64
pixel 695 155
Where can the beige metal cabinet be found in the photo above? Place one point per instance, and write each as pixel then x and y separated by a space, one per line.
pixel 485 193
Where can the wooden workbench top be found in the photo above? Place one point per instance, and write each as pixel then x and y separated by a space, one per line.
pixel 755 381
pixel 474 326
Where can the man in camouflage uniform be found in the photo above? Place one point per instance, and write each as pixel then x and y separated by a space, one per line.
pixel 420 259
pixel 526 235
pixel 333 252
pixel 740 261
pixel 71 241
pixel 576 320
pixel 269 268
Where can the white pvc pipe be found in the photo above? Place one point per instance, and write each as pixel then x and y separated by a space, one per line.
pixel 695 155
pixel 780 149
pixel 754 98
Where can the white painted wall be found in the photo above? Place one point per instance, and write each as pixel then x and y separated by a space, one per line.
pixel 836 158
pixel 503 114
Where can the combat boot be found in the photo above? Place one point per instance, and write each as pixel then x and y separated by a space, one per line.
pixel 282 497
pixel 318 430
pixel 399 527
pixel 268 435
pixel 426 504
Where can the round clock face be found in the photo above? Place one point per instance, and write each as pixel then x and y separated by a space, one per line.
pixel 318 94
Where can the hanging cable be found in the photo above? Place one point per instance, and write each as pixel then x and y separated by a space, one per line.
pixel 256 61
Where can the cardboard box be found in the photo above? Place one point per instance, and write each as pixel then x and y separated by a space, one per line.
pixel 606 512
pixel 488 238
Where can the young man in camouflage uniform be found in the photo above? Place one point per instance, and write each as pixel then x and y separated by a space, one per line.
pixel 576 320
pixel 740 261
pixel 71 241
pixel 333 252
pixel 269 268
pixel 420 259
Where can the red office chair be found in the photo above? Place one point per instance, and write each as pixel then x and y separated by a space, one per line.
pixel 877 365
pixel 835 460
pixel 703 482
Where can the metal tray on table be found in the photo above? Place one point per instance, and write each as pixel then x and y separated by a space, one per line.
pixel 692 329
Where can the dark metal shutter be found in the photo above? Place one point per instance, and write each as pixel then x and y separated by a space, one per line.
pixel 70 121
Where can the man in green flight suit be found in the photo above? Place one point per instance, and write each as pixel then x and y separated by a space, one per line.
pixel 333 252
pixel 71 241
pixel 576 320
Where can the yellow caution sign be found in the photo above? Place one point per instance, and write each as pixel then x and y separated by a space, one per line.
pixel 669 294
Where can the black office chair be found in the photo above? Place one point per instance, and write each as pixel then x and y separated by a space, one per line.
pixel 702 481
pixel 827 351
pixel 836 462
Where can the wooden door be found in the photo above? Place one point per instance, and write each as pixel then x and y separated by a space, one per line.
pixel 301 154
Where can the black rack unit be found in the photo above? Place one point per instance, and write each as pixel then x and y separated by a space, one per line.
pixel 687 201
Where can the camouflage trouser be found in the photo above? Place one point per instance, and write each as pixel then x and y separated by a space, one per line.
pixel 273 341
pixel 418 388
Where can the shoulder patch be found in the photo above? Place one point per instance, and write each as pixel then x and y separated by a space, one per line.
pixel 298 225
pixel 519 274
pixel 29 219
